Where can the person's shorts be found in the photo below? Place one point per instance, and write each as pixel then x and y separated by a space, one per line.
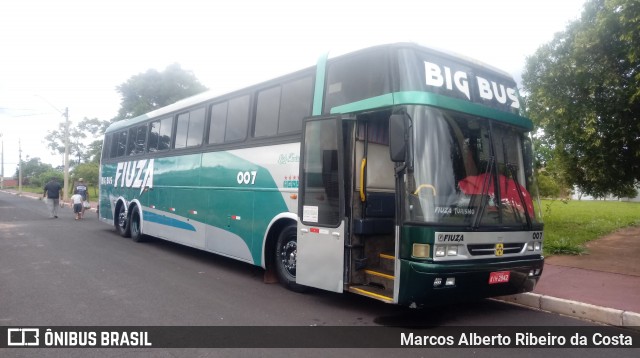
pixel 77 208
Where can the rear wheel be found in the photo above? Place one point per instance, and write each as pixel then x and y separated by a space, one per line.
pixel 134 226
pixel 122 222
pixel 285 258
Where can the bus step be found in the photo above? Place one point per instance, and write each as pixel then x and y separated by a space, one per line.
pixel 380 277
pixel 387 262
pixel 373 292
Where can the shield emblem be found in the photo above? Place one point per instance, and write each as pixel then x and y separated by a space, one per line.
pixel 499 249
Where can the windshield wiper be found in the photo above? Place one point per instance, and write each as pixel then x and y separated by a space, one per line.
pixel 486 182
pixel 512 170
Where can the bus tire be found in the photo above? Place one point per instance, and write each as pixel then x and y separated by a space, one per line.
pixel 285 258
pixel 134 226
pixel 122 221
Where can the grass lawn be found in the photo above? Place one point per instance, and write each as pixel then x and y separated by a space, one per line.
pixel 568 225
pixel 93 191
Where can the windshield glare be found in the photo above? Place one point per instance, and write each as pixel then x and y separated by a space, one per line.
pixel 469 171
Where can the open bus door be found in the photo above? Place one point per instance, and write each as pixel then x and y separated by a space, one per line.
pixel 321 218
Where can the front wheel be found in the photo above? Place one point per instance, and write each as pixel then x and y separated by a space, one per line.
pixel 285 257
pixel 122 222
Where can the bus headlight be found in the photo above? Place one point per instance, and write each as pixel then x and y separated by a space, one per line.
pixel 537 246
pixel 441 250
pixel 452 250
pixel 420 251
pixel 529 246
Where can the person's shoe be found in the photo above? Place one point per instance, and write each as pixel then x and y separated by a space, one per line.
pixel 56 216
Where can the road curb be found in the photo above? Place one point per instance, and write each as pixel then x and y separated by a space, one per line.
pixel 606 315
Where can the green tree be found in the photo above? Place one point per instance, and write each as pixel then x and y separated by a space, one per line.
pixel 79 151
pixel 584 93
pixel 151 90
pixel 44 177
pixel 56 142
pixel 89 172
pixel 31 169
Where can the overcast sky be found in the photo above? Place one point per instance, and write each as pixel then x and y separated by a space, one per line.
pixel 59 54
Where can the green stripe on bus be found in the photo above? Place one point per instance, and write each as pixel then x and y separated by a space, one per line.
pixel 321 69
pixel 435 100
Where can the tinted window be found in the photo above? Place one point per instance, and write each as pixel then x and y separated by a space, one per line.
pixel 218 123
pixel 196 127
pixel 182 129
pixel 267 112
pixel 321 200
pixel 160 134
pixel 229 120
pixel 190 128
pixel 118 144
pixel 106 147
pixel 356 78
pixel 295 105
pixel 237 119
pixel 137 140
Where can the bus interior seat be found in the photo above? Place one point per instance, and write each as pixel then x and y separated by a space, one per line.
pixel 379 210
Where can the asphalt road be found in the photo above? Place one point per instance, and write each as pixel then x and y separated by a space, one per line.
pixel 62 272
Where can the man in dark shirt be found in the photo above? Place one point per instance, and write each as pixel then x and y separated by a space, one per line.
pixel 52 192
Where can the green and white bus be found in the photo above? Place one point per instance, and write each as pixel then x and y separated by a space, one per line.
pixel 396 172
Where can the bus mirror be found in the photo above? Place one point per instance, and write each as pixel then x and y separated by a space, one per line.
pixel 397 137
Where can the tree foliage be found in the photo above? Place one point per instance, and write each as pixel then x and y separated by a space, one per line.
pixel 89 172
pixel 44 178
pixel 79 151
pixel 151 90
pixel 584 92
pixel 31 169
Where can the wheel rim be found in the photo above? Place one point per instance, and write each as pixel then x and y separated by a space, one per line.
pixel 122 218
pixel 288 257
pixel 135 225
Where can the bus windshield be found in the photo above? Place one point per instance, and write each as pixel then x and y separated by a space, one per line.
pixel 469 171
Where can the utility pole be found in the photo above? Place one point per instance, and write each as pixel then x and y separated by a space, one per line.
pixel 19 167
pixel 66 146
pixel 66 155
pixel 2 164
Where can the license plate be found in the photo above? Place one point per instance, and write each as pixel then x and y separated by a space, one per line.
pixel 499 277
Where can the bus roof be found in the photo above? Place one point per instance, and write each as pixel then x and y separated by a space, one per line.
pixel 210 95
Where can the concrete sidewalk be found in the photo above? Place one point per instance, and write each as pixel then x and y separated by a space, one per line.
pixel 601 286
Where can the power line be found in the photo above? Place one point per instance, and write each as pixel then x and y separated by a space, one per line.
pixel 29 115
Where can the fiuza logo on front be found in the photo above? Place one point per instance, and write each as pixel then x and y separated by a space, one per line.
pixel 134 174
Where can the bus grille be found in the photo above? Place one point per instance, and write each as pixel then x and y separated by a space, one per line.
pixel 490 249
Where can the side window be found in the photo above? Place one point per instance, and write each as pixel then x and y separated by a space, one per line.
pixel 106 147
pixel 280 110
pixel 160 135
pixel 267 112
pixel 218 123
pixel 229 120
pixel 295 104
pixel 190 128
pixel 196 127
pixel 356 78
pixel 182 128
pixel 137 140
pixel 237 119
pixel 118 144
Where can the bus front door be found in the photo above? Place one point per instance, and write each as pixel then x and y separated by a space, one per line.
pixel 321 223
